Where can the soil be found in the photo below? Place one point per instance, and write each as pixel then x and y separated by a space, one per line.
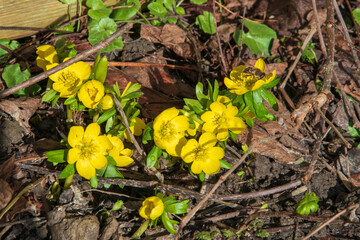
pixel 304 152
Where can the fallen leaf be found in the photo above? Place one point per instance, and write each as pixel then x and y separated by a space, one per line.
pixel 6 193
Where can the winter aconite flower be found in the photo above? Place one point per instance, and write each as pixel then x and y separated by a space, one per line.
pixel 91 93
pixel 68 79
pixel 222 118
pixel 203 155
pixel 135 129
pixel 121 155
pixel 152 208
pixel 169 131
pixel 88 149
pixel 107 102
pixel 244 79
pixel 47 55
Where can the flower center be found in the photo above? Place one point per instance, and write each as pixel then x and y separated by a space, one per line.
pixel 218 119
pixel 92 93
pixel 87 148
pixel 200 154
pixel 69 79
pixel 249 80
pixel 167 129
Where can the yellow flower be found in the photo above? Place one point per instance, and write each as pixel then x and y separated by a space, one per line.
pixel 135 129
pixel 88 149
pixel 46 55
pixel 197 128
pixel 121 155
pixel 222 99
pixel 244 79
pixel 222 118
pixel 69 78
pixel 91 93
pixel 169 131
pixel 203 154
pixel 107 102
pixel 152 208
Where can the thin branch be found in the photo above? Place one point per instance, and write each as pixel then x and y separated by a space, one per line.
pixel 65 64
pixel 218 39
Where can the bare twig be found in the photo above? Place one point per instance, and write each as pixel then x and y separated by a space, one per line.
pixel 218 39
pixel 65 64
pixel 318 27
pixel 331 220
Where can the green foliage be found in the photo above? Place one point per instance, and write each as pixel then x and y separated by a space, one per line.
pixel 308 54
pixel 68 2
pixel 198 2
pixel 307 204
pixel 355 134
pixel 127 12
pixel 57 156
pixel 153 156
pixel 12 45
pixel 254 228
pixel 13 75
pixel 258 38
pixel 356 14
pixel 254 100
pixel 67 171
pixel 206 22
pixel 65 50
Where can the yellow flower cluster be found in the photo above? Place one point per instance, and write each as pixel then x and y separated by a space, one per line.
pixel 88 150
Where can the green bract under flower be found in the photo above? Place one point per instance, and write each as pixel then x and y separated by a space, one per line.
pixel 91 93
pixel 221 119
pixel 169 131
pixel 69 78
pixel 88 149
pixel 244 79
pixel 203 155
pixel 152 208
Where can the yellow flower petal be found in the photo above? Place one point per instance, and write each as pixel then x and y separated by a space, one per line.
pixel 91 93
pixel 73 155
pixel 216 153
pixel 211 167
pixel 188 151
pixel 260 64
pixel 127 152
pixel 107 102
pixel 236 125
pixel 222 99
pixel 76 135
pixel 175 149
pixel 122 161
pixel 196 167
pixel 85 168
pixel 98 161
pixel 92 130
pixel 207 139
pixel 116 142
pixel 152 208
pixel 181 123
pixel 217 107
pixel 222 134
pixel 104 144
pixel 82 69
pixel 165 116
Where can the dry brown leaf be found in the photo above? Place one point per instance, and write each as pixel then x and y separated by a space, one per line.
pixel 5 193
pixel 21 109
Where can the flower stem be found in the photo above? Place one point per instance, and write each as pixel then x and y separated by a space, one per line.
pixel 96 117
pixel 68 182
pixel 141 229
pixel 69 113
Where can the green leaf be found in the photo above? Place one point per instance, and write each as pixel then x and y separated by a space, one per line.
pixel 198 2
pixel 111 161
pixel 353 132
pixel 127 12
pixel 13 75
pixel 109 124
pixel 260 110
pixel 307 204
pixel 201 176
pixel 112 172
pixel 271 84
pixel 106 115
pixel 248 97
pixel 147 133
pixel 216 90
pixel 225 164
pixel 70 100
pixel 258 39
pixel 117 206
pixel 168 223
pixel 57 156
pixel 94 182
pixel 68 2
pixel 153 156
pixel 356 14
pixel 116 44
pixel 99 13
pixel 176 207
pixel 99 30
pixel 206 22
pixel 68 171
pixel 180 11
pixel 250 122
pixel 10 45
pixel 269 98
pixel 95 4
pixel 157 9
